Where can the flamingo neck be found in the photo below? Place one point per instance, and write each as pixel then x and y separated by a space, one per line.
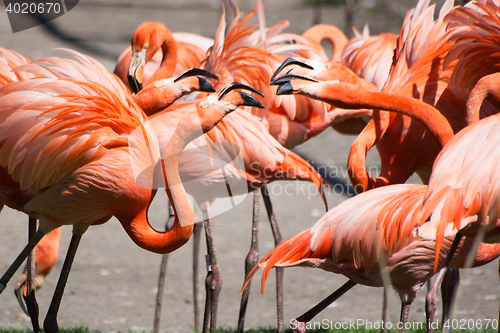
pixel 354 97
pixel 485 88
pixel 169 58
pixel 146 237
pixel 320 32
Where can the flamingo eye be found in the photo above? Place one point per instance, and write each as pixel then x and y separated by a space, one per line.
pixel 158 84
pixel 204 104
pixel 145 47
pixel 328 66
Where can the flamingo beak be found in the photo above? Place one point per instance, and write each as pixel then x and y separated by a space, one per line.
pixel 135 69
pixel 285 84
pixel 196 72
pixel 247 99
pixel 289 77
pixel 287 62
pixel 204 85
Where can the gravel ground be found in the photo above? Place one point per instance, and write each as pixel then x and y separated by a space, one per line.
pixel 112 286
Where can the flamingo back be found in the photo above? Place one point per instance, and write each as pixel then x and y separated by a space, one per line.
pixel 477 44
pixel 69 116
pixel 9 60
pixel 370 57
pixel 464 186
pixel 358 232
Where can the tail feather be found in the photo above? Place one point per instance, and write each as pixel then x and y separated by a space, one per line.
pixel 289 253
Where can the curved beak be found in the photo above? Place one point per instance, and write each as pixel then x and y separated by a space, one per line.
pixel 287 62
pixel 134 76
pixel 196 72
pixel 203 85
pixel 289 77
pixel 247 99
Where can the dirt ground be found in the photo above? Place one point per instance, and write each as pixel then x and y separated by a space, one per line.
pixel 112 286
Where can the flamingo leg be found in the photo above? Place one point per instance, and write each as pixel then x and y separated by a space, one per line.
pixel 159 293
pixel 20 259
pixel 30 300
pixel 405 312
pixel 449 287
pixel 251 260
pixel 385 311
pixel 161 278
pixel 300 322
pixel 206 315
pixel 196 292
pixel 430 300
pixel 50 322
pixel 279 270
pixel 213 281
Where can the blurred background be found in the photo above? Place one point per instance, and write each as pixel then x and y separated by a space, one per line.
pixel 112 286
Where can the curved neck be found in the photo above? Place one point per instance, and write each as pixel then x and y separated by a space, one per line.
pixel 320 32
pixel 348 96
pixel 486 88
pixel 169 58
pixel 356 162
pixel 146 237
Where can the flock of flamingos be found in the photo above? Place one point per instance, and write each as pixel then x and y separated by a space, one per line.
pixel 79 145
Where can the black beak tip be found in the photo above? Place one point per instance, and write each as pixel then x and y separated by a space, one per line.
pixel 205 85
pixel 250 101
pixel 285 89
pixel 135 86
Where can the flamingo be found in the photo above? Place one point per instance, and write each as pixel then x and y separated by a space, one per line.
pixel 151 99
pixel 417 71
pixel 370 236
pixel 142 64
pixel 46 257
pixel 97 140
pixel 481 20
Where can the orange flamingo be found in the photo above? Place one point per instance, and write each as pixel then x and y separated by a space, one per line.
pixel 100 138
pixel 347 95
pixel 47 255
pixel 481 22
pixel 151 99
pixel 367 237
pixel 138 65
